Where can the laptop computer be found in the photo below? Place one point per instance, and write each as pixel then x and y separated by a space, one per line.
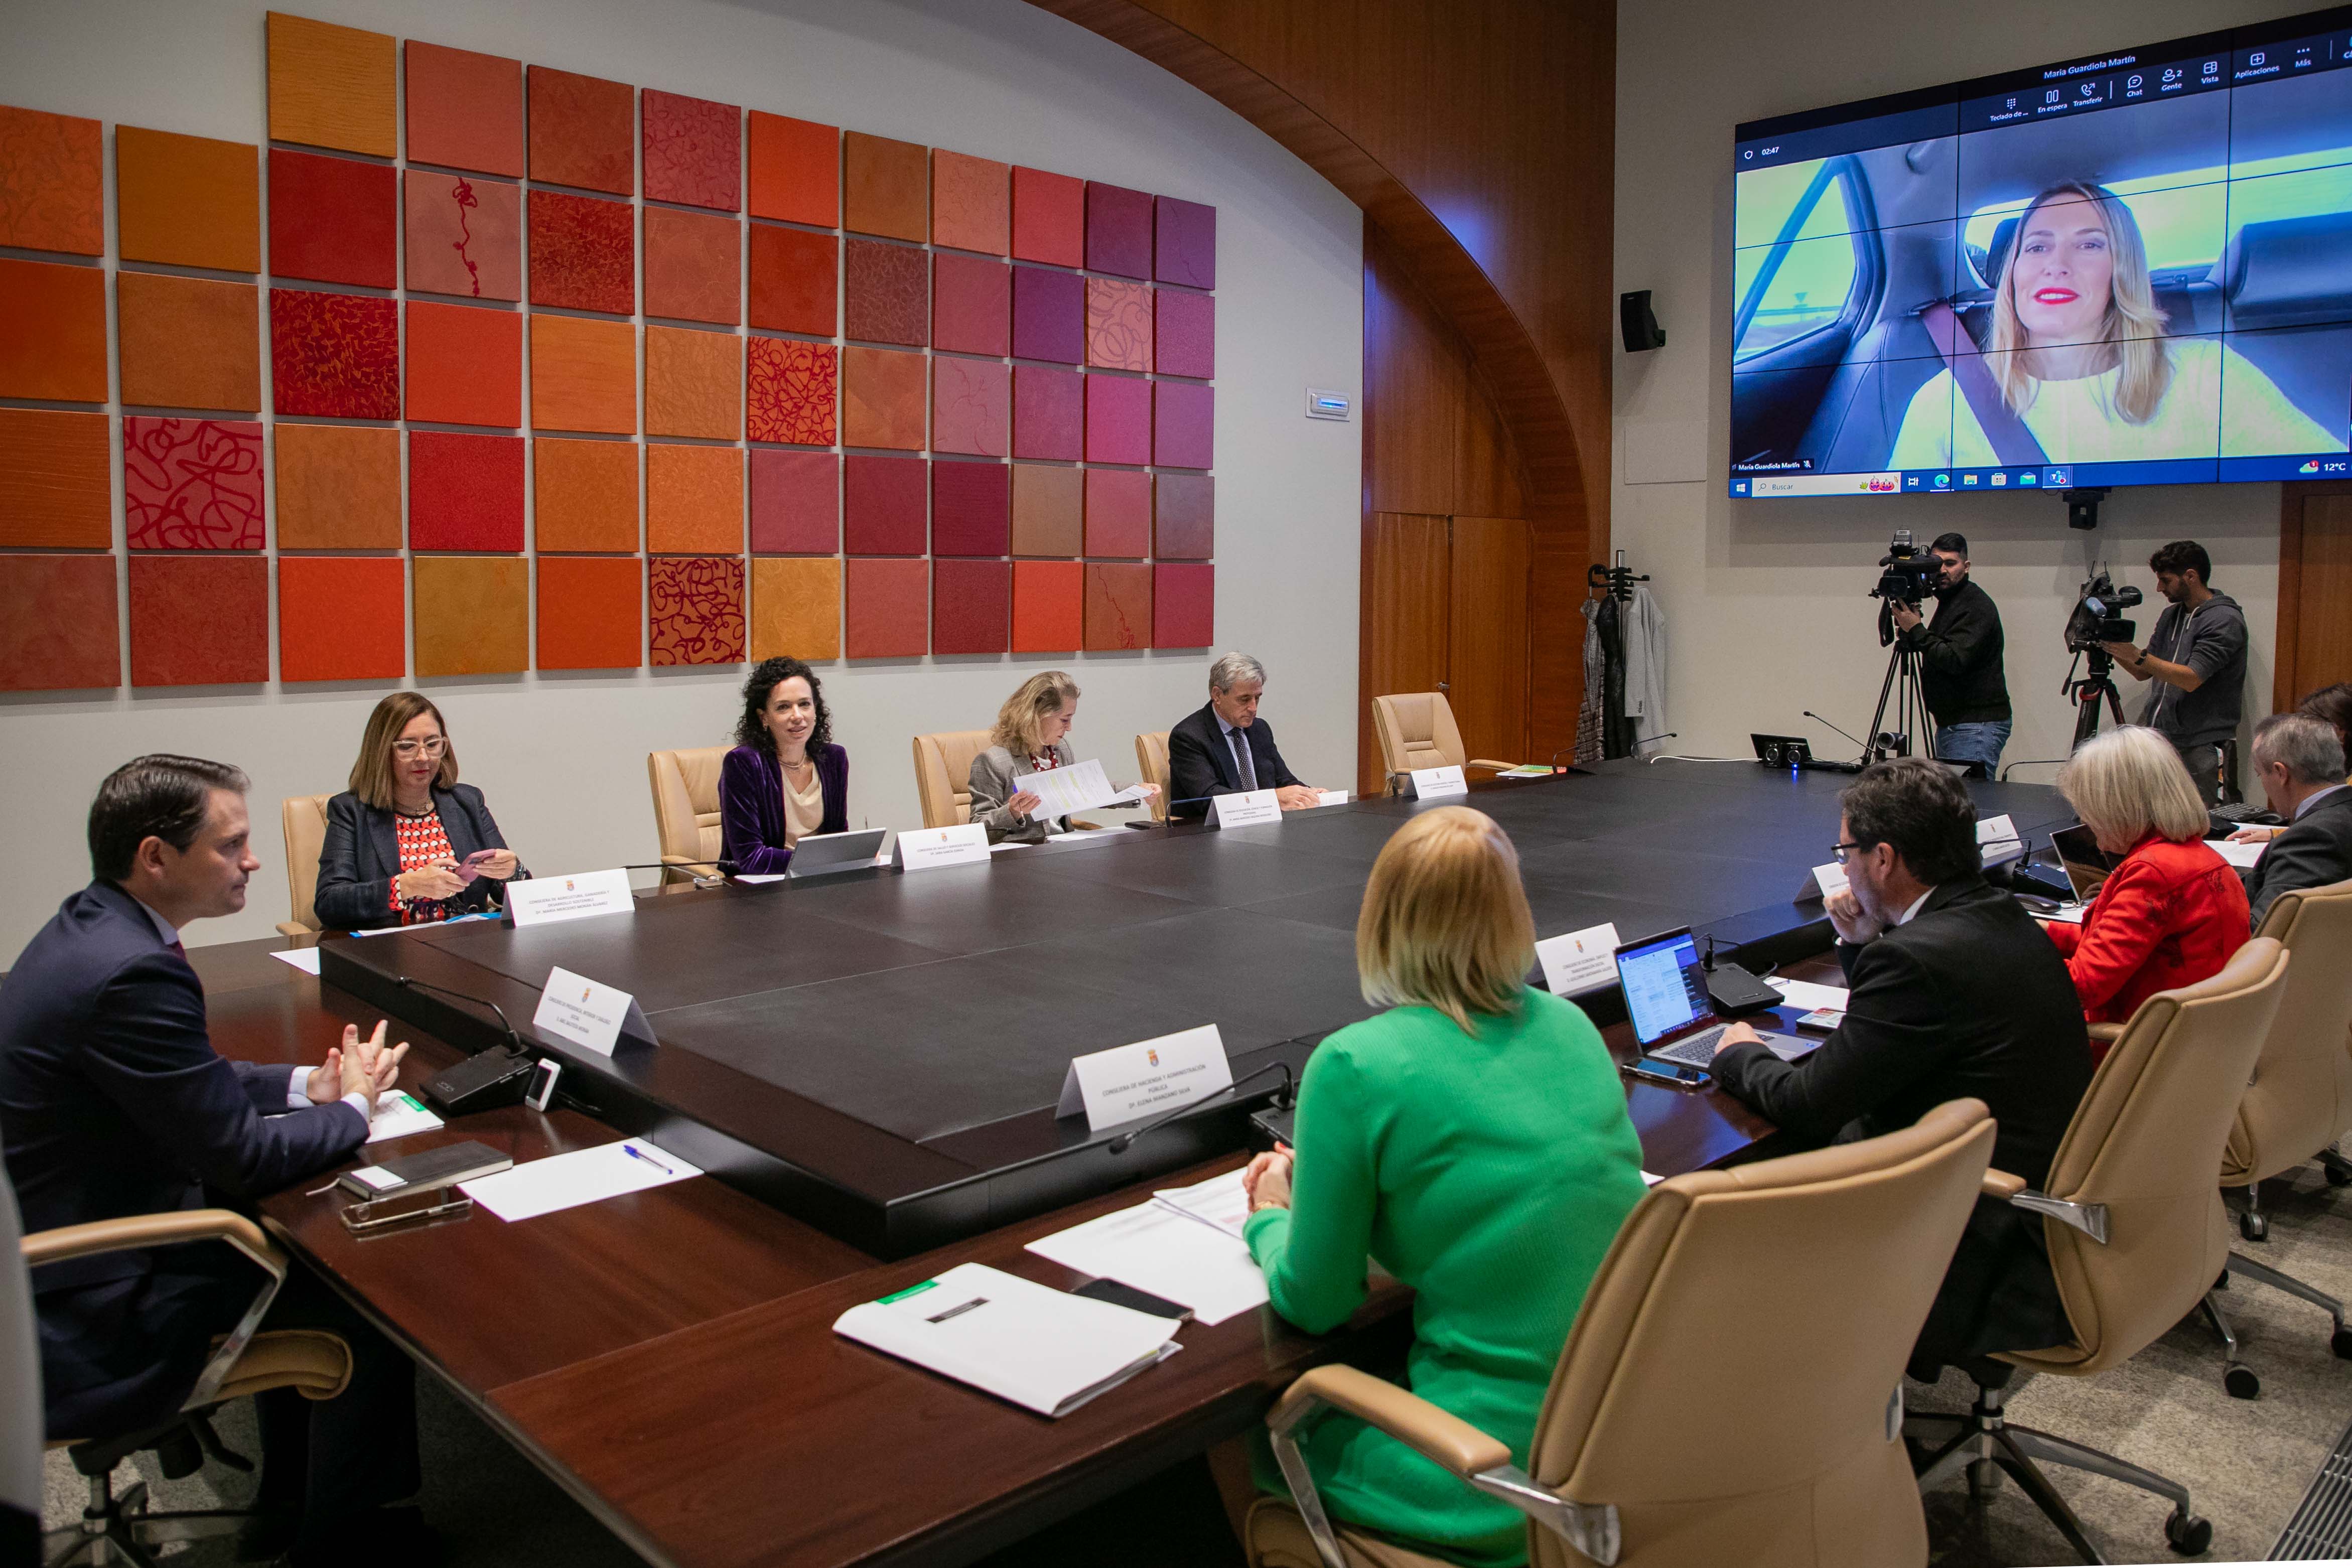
pixel 823 855
pixel 2086 865
pixel 1666 997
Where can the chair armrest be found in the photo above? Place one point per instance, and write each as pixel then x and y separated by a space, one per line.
pixel 2090 1218
pixel 153 1230
pixel 2003 1186
pixel 1436 1435
pixel 2109 1032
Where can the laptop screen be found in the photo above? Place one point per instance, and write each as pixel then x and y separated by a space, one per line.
pixel 1665 988
pixel 2086 865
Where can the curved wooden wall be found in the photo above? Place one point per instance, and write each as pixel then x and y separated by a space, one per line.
pixel 1478 139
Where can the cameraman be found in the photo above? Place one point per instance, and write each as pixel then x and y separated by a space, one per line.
pixel 1960 661
pixel 2196 657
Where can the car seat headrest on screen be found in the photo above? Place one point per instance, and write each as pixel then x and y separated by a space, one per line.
pixel 2290 272
pixel 1997 253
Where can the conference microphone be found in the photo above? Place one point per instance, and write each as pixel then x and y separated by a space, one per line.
pixel 487 1079
pixel 1125 1140
pixel 1819 719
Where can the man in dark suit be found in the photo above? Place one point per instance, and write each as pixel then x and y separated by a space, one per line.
pixel 113 1103
pixel 1226 749
pixel 1955 993
pixel 2300 760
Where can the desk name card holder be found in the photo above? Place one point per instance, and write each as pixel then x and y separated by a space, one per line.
pixel 544 900
pixel 927 848
pixel 1245 808
pixel 591 1016
pixel 1820 882
pixel 1436 783
pixel 1129 1082
pixel 1580 962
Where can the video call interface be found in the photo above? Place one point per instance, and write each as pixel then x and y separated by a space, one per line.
pixel 2130 269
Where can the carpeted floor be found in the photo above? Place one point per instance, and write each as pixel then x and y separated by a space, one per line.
pixel 2246 1464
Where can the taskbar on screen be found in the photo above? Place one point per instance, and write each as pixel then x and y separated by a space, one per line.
pixel 2050 477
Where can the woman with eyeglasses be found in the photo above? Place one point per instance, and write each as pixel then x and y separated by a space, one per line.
pixel 407 844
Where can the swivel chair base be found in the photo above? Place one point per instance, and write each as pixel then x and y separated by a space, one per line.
pixel 1985 1444
pixel 120 1529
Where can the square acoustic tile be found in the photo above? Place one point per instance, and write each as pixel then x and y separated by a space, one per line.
pixel 693 150
pixel 335 356
pixel 55 480
pixel 890 609
pixel 1119 513
pixel 971 510
pixel 584 495
pixel 884 397
pixel 465 109
pixel 192 484
pixel 584 253
pixel 1184 605
pixel 1049 599
pixel 694 499
pixel 972 606
pixel 591 612
pixel 1184 508
pixel 1118 231
pixel 342 617
pixel 1049 315
pixel 795 503
pixel 1184 338
pixel 460 235
pixel 1185 244
pixel 695 609
pixel 472 614
pixel 795 170
pixel 972 405
pixel 187 342
pixel 693 266
pixel 796 609
pixel 331 85
pixel 583 131
pixel 187 201
pixel 882 505
pixel 583 375
pixel 464 364
pixel 1048 510
pixel 886 293
pixel 52 331
pixel 1048 414
pixel 795 282
pixel 1184 424
pixel 791 390
pixel 59 627
pixel 333 220
pixel 338 488
pixel 971 306
pixel 1119 419
pixel 885 187
pixel 464 493
pixel 1119 325
pixel 199 620
pixel 1049 218
pixel 972 203
pixel 1118 607
pixel 51 182
pixel 693 383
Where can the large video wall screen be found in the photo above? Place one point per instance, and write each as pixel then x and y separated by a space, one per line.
pixel 2130 269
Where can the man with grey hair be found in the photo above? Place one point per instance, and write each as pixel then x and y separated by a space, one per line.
pixel 1226 749
pixel 2300 761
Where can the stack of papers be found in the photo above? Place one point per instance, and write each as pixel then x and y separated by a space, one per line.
pixel 399 1114
pixel 2241 855
pixel 1184 1245
pixel 1528 772
pixel 1042 1349
pixel 1810 998
pixel 585 1175
pixel 1080 786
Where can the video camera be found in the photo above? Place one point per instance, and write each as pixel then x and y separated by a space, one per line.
pixel 2096 619
pixel 1906 575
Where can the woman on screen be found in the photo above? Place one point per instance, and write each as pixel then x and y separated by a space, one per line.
pixel 786 778
pixel 2079 354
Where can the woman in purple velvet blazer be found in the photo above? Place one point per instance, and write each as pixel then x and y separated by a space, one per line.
pixel 786 778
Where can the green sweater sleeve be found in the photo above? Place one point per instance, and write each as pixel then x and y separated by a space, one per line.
pixel 1313 1252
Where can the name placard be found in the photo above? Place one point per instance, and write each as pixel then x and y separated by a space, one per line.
pixel 1129 1082
pixel 927 848
pixel 590 1016
pixel 1997 838
pixel 1822 881
pixel 1332 796
pixel 1436 783
pixel 1247 810
pixel 544 900
pixel 1581 961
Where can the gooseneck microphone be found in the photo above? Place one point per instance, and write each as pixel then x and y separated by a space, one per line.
pixel 1125 1141
pixel 513 1040
pixel 1819 719
pixel 486 1079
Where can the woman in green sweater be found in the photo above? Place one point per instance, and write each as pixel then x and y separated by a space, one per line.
pixel 1474 1141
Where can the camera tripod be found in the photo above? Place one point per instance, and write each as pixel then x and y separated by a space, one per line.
pixel 2086 692
pixel 1901 689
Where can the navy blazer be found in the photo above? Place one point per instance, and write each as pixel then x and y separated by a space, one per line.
pixel 113 1101
pixel 360 857
pixel 2312 852
pixel 1200 765
pixel 751 807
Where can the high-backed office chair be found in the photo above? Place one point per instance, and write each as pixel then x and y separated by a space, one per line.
pixel 305 817
pixel 1417 730
pixel 1646 1455
pixel 943 774
pixel 20 1413
pixel 1151 759
pixel 2136 1231
pixel 317 1363
pixel 2300 1101
pixel 686 808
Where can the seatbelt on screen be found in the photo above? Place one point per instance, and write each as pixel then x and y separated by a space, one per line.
pixel 2012 444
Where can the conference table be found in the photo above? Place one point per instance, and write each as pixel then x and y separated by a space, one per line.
pixel 667 1356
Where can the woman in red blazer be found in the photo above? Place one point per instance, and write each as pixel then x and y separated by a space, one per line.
pixel 2173 912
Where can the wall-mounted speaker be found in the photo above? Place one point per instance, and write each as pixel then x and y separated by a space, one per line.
pixel 1640 327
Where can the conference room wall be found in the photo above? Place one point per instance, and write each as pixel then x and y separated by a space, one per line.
pixel 1764 600
pixel 561 756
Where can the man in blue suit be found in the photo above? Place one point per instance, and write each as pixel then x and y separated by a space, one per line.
pixel 113 1103
pixel 1226 749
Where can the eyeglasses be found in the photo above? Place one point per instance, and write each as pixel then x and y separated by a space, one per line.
pixel 1838 851
pixel 407 749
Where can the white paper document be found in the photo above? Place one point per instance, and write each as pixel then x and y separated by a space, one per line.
pixel 1080 786
pixel 1806 996
pixel 399 1114
pixel 2068 915
pixel 303 959
pixel 1170 1253
pixel 585 1175
pixel 2242 855
pixel 1029 1344
pixel 1222 1203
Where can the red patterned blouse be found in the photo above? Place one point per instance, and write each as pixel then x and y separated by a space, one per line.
pixel 423 842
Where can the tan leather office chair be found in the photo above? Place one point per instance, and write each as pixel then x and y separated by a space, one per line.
pixel 686 810
pixel 305 817
pixel 2300 1101
pixel 943 774
pixel 2136 1231
pixel 1417 730
pixel 1645 1454
pixel 315 1362
pixel 1151 759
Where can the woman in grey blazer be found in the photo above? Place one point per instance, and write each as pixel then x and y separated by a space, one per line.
pixel 1029 737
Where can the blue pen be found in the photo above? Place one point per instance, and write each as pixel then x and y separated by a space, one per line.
pixel 634 1153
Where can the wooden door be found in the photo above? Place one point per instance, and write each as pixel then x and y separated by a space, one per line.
pixel 2314 612
pixel 1486 640
pixel 1404 634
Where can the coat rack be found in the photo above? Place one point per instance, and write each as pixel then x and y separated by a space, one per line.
pixel 1617 581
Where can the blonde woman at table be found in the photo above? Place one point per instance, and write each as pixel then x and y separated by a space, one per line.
pixel 1472 1140
pixel 1031 735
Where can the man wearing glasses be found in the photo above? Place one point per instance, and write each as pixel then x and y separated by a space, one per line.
pixel 1956 993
